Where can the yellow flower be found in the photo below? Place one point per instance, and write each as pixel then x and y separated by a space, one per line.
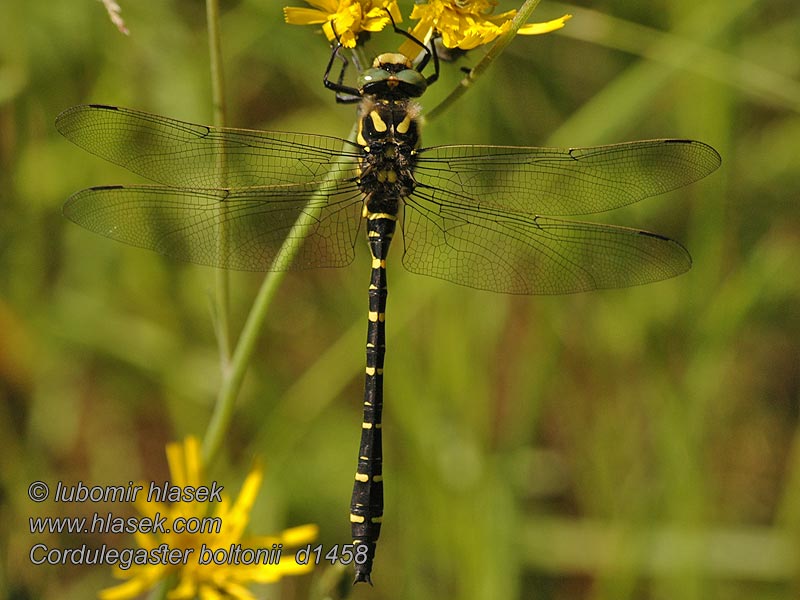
pixel 466 24
pixel 344 19
pixel 196 573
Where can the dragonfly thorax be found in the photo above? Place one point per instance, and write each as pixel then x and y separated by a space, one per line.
pixel 388 131
pixel 396 121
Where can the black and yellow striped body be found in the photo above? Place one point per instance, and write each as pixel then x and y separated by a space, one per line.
pixel 388 133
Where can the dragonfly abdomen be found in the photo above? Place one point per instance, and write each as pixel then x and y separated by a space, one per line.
pixel 366 507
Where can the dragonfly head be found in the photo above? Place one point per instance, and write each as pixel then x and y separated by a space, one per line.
pixel 392 75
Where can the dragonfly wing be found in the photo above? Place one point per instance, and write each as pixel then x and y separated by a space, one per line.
pixel 237 229
pixel 176 153
pixel 521 254
pixel 573 181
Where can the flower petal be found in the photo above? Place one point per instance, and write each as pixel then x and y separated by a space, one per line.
pixel 301 534
pixel 547 27
pixel 208 581
pixel 303 16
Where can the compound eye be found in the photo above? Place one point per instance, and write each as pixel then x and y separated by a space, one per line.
pixel 371 77
pixel 414 82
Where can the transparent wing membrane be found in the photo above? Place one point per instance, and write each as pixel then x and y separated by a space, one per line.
pixel 560 182
pixel 518 254
pixel 186 155
pixel 186 224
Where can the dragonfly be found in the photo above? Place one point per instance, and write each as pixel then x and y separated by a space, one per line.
pixel 485 217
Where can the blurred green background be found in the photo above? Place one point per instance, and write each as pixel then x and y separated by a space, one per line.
pixel 639 443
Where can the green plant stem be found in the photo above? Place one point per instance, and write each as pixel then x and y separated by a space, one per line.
pixel 522 16
pixel 233 378
pixel 223 408
pixel 232 381
pixel 222 278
